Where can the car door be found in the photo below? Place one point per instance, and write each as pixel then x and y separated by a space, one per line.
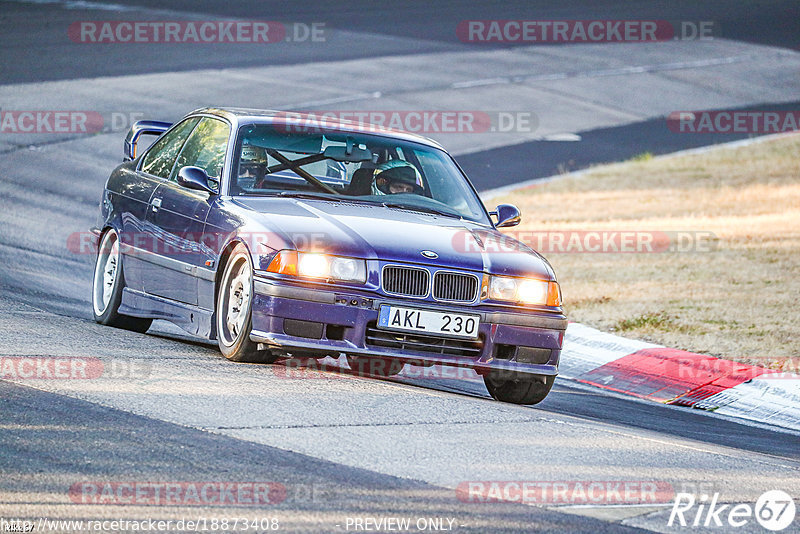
pixel 152 170
pixel 178 214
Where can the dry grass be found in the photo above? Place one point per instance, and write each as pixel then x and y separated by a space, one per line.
pixel 738 301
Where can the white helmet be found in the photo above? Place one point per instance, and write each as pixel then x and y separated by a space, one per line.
pixel 393 172
pixel 253 159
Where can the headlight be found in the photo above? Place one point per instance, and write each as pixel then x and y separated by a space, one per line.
pixel 348 269
pixel 314 265
pixel 525 291
pixel 502 288
pixel 322 266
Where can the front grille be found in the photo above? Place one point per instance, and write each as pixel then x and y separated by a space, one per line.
pixel 455 287
pixel 420 343
pixel 405 281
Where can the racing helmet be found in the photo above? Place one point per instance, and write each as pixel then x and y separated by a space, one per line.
pixel 252 159
pixel 394 172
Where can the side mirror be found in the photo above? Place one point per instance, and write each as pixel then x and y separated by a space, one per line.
pixel 195 178
pixel 507 215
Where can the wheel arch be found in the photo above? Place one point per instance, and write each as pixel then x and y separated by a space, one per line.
pixel 112 223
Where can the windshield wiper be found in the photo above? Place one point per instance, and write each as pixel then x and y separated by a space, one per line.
pixel 413 207
pixel 322 196
pixel 309 195
pixel 313 196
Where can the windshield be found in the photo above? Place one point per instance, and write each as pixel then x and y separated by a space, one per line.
pixel 272 161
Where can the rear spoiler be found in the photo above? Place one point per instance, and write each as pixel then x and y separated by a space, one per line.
pixel 138 129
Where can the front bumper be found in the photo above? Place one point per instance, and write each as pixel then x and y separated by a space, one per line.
pixel 302 320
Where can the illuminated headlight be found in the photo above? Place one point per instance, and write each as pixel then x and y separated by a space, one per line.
pixel 314 265
pixel 322 266
pixel 525 291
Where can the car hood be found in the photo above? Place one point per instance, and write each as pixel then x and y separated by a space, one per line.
pixel 392 235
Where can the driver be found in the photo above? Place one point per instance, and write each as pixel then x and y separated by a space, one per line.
pixel 396 176
pixel 252 165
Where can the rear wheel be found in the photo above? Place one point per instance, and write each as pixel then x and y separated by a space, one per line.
pixel 107 286
pixel 518 388
pixel 234 307
pixel 364 366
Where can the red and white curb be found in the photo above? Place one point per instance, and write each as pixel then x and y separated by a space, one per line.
pixel 672 376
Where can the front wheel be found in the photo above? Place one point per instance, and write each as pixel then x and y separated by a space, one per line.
pixel 518 388
pixel 107 286
pixel 234 307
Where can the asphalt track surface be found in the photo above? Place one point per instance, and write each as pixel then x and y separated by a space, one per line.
pixel 344 446
pixel 416 26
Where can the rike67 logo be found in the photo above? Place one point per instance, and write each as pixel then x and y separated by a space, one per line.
pixel 774 510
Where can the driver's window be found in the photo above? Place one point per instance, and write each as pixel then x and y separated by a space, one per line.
pixel 160 158
pixel 205 148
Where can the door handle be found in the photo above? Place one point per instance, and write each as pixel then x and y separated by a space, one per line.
pixel 156 204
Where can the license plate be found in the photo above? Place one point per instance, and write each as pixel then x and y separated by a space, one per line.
pixel 428 322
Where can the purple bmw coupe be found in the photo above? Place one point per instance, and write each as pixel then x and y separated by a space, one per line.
pixel 278 237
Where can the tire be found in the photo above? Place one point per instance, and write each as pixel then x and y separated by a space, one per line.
pixel 366 366
pixel 518 388
pixel 107 285
pixel 234 311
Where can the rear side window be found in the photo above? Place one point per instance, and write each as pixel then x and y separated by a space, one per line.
pixel 161 157
pixel 205 148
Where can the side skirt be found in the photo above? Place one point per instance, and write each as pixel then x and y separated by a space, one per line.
pixel 197 321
